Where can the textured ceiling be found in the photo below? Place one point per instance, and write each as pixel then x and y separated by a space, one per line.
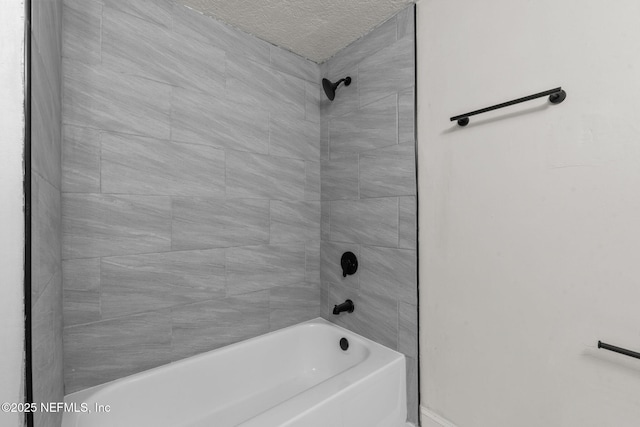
pixel 315 29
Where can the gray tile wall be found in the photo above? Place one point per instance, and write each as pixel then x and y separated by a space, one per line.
pixel 190 187
pixel 46 268
pixel 209 188
pixel 368 190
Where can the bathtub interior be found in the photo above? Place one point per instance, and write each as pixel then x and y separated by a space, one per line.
pixel 237 383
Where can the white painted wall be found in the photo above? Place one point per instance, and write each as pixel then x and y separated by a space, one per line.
pixel 11 207
pixel 530 216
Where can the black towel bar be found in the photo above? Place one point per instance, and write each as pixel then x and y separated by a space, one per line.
pixel 618 350
pixel 556 96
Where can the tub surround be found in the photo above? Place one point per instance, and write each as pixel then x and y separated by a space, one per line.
pixel 191 187
pixel 369 190
pixel 210 188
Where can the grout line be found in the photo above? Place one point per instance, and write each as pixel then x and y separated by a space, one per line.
pixel 100 134
pixel 398 217
pixel 171 223
pixel 100 286
pixel 140 313
pixel 102 6
pixel 397 118
pixel 270 222
pixel 358 176
pixel 171 113
pixel 226 272
pixel 269 142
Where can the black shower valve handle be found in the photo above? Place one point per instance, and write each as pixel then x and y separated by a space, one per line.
pixel 349 263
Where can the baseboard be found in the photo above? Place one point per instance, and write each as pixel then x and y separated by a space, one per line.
pixel 431 419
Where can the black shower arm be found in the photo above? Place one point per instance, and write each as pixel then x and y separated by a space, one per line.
pixel 340 81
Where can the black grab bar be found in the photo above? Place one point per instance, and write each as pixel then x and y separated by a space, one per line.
pixel 556 96
pixel 618 350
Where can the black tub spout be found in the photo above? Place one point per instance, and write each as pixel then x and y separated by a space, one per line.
pixel 345 306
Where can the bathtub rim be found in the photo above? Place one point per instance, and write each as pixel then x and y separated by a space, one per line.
pixel 85 394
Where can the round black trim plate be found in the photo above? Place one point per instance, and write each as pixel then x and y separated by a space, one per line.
pixel 344 344
pixel 349 264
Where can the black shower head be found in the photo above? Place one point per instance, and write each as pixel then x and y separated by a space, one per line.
pixel 330 88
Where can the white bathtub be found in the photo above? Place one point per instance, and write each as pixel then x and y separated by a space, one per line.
pixel 297 376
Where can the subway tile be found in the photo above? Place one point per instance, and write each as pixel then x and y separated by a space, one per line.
pixel 406 24
pixel 312 101
pixel 253 83
pixel 389 272
pixel 80 160
pixel 380 37
pixel 200 223
pixel 46 139
pixel 388 171
pixel 294 137
pixel 208 325
pixel 312 184
pixel 156 11
pixel 138 165
pixel 408 329
pixel 293 64
pixel 103 351
pixel 81 307
pixel 99 98
pixel 81 274
pixel 294 221
pixel 46 234
pixel 101 225
pixel 406 117
pixel 368 221
pixel 47 351
pixel 256 268
pixel 139 283
pixel 190 23
pixel 388 71
pixel 82 30
pixel 339 179
pixel 372 126
pixel 312 262
pixel 202 119
pixel 407 223
pixel 258 176
pixel 330 268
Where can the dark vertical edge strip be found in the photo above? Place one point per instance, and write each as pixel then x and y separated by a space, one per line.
pixel 28 382
pixel 415 138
